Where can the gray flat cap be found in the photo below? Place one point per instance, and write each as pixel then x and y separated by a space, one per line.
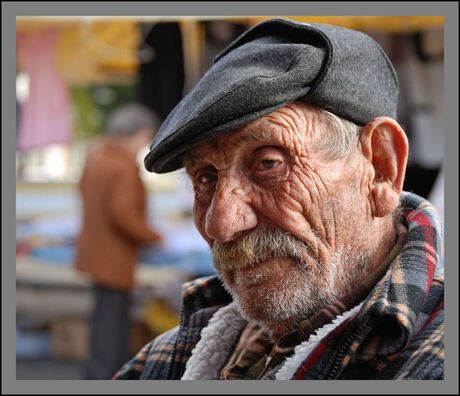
pixel 269 66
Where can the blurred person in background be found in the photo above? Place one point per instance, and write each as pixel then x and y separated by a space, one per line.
pixel 326 268
pixel 114 227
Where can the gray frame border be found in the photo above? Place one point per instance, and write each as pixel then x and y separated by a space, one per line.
pixel 12 9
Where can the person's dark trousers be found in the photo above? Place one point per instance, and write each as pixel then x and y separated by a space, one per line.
pixel 110 331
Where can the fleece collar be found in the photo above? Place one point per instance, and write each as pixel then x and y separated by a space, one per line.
pixel 219 337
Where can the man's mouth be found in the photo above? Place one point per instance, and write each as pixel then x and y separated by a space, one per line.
pixel 254 265
pixel 271 269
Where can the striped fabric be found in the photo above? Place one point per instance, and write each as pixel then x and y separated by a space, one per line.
pixel 397 334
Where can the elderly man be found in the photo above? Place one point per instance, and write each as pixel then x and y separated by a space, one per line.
pixel 326 269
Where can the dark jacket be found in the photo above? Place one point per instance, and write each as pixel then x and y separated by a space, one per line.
pixel 397 332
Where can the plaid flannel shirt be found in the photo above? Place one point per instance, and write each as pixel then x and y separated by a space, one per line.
pixel 397 333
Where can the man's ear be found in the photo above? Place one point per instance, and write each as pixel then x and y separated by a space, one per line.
pixel 385 145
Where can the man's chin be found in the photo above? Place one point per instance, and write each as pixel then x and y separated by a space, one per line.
pixel 269 290
pixel 263 309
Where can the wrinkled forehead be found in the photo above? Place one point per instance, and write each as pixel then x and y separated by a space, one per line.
pixel 294 123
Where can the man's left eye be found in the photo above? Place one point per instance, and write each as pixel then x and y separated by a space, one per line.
pixel 207 178
pixel 268 164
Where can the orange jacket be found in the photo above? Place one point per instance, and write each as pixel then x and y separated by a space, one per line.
pixel 114 220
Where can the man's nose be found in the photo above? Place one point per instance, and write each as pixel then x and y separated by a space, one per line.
pixel 230 212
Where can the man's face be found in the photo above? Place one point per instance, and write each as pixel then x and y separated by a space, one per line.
pixel 287 227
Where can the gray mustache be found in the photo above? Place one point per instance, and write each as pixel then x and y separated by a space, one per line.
pixel 258 245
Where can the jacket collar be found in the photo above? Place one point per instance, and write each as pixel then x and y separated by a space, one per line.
pixel 392 310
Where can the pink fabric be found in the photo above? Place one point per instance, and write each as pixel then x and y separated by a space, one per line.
pixel 46 116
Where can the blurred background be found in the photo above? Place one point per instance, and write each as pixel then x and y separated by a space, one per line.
pixel 71 73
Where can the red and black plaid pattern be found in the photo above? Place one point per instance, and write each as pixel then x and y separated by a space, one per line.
pixel 386 333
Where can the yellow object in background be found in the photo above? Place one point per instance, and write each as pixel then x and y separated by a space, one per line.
pixel 370 23
pixel 92 52
pixel 99 52
pixel 159 317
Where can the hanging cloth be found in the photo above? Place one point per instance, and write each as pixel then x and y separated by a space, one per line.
pixel 46 115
